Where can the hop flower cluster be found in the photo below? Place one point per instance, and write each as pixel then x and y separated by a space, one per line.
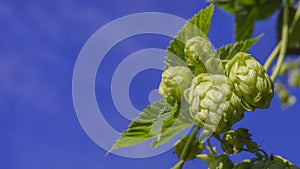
pixel 217 100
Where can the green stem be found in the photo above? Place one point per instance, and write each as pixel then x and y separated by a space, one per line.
pixel 276 50
pixel 285 33
pixel 272 56
pixel 295 19
pixel 186 148
pixel 265 153
pixel 217 136
pixel 211 149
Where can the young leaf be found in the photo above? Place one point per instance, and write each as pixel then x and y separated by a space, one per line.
pixel 199 25
pixel 227 52
pixel 196 147
pixel 294 37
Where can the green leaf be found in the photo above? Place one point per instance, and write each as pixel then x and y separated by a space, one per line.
pixel 171 126
pixel 227 5
pixel 159 125
pixel 294 37
pixel 196 147
pixel 140 128
pixel 247 2
pixel 202 20
pixel 200 68
pixel 221 162
pixel 267 8
pixel 227 52
pixel 245 17
pixel 247 12
pixel 199 25
pixel 159 121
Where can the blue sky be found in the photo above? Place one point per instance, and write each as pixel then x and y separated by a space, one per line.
pixel 39 45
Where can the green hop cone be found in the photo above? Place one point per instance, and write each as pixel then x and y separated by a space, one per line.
pixel 212 102
pixel 251 82
pixel 174 81
pixel 197 50
pixel 221 162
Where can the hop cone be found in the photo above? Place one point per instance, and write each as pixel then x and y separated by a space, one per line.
pixel 174 81
pixel 197 50
pixel 212 102
pixel 251 82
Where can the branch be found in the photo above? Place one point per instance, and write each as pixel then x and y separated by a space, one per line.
pixel 276 50
pixel 186 149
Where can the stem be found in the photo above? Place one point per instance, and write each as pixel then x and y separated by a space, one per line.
pixel 264 152
pixel 217 136
pixel 285 33
pixel 272 56
pixel 210 147
pixel 295 19
pixel 186 148
pixel 276 50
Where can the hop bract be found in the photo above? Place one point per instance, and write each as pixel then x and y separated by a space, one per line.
pixel 174 81
pixel 197 50
pixel 251 82
pixel 212 102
